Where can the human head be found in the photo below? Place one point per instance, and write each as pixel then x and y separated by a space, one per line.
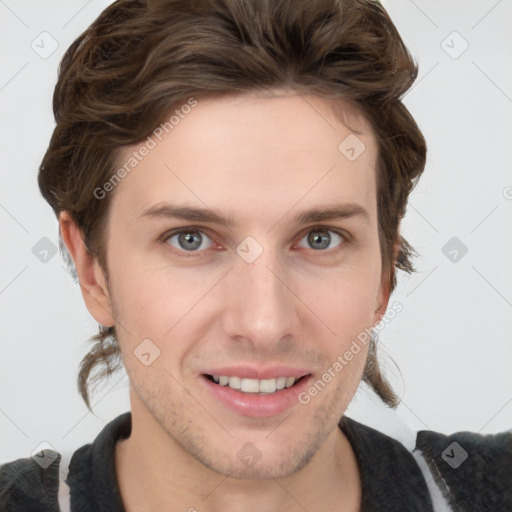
pixel 139 61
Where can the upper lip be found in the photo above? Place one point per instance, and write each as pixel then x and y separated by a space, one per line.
pixel 252 372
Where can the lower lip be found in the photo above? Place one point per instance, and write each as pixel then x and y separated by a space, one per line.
pixel 252 404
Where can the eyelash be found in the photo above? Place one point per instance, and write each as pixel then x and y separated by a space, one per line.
pixel 347 240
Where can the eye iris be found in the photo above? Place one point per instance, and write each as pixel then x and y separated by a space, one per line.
pixel 190 240
pixel 319 241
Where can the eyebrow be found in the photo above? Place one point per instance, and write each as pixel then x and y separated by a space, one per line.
pixel 334 212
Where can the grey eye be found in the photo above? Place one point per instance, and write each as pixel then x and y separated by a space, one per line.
pixel 319 239
pixel 190 240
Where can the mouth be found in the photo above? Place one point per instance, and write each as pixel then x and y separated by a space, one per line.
pixel 256 397
pixel 255 386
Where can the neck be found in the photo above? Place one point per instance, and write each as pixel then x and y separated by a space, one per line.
pixel 155 473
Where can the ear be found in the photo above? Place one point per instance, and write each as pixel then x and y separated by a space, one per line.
pixel 89 272
pixel 385 289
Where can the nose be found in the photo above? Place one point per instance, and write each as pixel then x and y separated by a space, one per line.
pixel 261 307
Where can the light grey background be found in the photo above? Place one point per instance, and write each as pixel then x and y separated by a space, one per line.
pixel 452 340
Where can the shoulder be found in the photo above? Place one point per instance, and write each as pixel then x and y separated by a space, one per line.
pixel 31 483
pixel 464 471
pixel 473 471
pixel 390 476
pixel 84 479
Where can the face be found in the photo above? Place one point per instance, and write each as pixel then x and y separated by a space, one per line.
pixel 258 287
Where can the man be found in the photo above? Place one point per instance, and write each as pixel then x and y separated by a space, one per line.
pixel 229 179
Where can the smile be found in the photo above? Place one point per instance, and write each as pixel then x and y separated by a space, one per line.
pixel 256 397
pixel 262 387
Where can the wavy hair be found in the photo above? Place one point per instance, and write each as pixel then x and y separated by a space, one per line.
pixel 140 59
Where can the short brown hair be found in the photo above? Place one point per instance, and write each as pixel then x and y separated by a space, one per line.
pixel 140 59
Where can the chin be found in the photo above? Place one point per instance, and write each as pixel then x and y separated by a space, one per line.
pixel 251 464
pixel 271 469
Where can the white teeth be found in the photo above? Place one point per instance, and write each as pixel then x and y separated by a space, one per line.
pixel 280 382
pixel 289 381
pixel 267 386
pixel 250 386
pixel 255 385
pixel 235 382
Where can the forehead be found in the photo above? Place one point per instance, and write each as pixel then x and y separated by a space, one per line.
pixel 268 153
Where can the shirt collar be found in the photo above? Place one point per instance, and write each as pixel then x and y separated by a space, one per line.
pixel 390 477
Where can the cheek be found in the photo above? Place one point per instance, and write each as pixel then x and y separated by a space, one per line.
pixel 150 303
pixel 345 300
pixel 345 308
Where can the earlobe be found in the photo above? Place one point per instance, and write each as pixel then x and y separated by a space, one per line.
pixel 89 272
pixel 382 304
pixel 385 289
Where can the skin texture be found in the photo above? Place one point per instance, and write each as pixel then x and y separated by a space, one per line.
pixel 258 161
